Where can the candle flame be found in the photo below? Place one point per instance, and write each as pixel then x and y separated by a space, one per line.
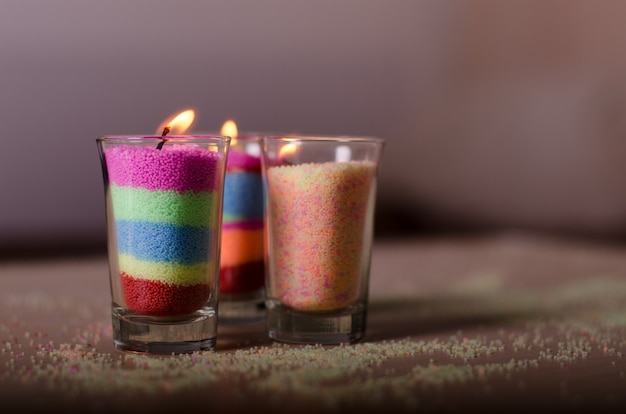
pixel 178 123
pixel 230 130
pixel 287 150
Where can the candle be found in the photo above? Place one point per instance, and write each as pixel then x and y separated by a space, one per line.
pixel 163 203
pixel 242 266
pixel 317 210
pixel 320 194
pixel 164 197
pixel 164 233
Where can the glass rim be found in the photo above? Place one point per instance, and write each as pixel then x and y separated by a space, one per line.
pixel 323 138
pixel 242 135
pixel 185 138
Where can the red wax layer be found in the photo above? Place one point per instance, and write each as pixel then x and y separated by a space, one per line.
pixel 154 298
pixel 244 278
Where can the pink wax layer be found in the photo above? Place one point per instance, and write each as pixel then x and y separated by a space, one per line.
pixel 318 215
pixel 241 160
pixel 174 167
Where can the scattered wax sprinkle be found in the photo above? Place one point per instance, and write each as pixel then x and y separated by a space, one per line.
pixel 366 373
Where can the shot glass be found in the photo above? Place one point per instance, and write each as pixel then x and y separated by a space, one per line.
pixel 320 197
pixel 164 202
pixel 242 264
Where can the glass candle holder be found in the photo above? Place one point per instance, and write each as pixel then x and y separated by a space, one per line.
pixel 164 201
pixel 242 269
pixel 320 201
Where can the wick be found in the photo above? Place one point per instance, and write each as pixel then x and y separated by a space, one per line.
pixel 166 131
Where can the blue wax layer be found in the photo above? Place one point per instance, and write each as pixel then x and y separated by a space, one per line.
pixel 162 242
pixel 243 196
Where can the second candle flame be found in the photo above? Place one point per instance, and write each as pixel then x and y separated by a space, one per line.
pixel 230 130
pixel 287 150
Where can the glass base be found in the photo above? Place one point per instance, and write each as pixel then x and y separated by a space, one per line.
pixel 164 335
pixel 287 325
pixel 242 308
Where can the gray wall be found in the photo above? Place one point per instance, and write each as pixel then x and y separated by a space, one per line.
pixel 496 113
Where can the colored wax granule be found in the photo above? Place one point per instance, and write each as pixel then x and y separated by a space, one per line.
pixel 243 196
pixel 241 160
pixel 163 241
pixel 242 278
pixel 242 245
pixel 170 273
pixel 162 299
pixel 188 208
pixel 242 261
pixel 242 253
pixel 318 214
pixel 176 167
pixel 165 211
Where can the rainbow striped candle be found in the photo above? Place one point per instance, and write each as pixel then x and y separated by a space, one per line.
pixel 165 205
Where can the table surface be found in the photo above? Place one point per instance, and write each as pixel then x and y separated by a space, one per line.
pixel 492 322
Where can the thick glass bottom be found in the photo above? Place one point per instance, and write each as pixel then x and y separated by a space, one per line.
pixel 242 308
pixel 164 335
pixel 285 324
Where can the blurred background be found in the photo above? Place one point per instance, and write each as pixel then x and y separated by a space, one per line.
pixel 497 114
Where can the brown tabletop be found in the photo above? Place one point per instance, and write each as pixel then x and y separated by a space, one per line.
pixel 502 322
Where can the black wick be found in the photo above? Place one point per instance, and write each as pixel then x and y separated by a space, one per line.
pixel 166 131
